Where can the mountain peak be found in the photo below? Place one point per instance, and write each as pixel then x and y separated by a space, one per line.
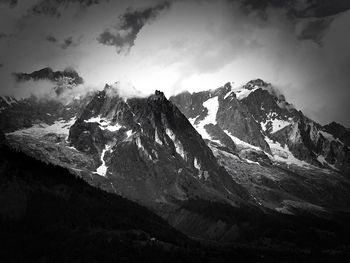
pixel 159 94
pixel 256 83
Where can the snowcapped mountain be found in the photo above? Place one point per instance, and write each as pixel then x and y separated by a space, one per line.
pixel 149 150
pixel 290 129
pixel 256 120
pixel 242 148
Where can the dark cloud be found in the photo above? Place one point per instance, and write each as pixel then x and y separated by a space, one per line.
pixel 316 29
pixel 322 8
pixel 55 7
pixel 1 65
pixel 320 12
pixel 11 3
pixel 130 24
pixel 49 74
pixel 300 8
pixel 51 39
pixel 3 35
pixel 66 43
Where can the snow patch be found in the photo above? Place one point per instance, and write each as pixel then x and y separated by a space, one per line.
pixel 283 154
pixel 212 105
pixel 9 100
pixel 323 161
pixel 228 94
pixel 142 148
pixel 129 133
pixel 104 123
pixel 242 93
pixel 241 144
pixel 329 137
pixel 251 162
pixel 273 124
pixel 178 145
pixel 102 170
pixel 196 164
pixel 193 120
pixel 156 138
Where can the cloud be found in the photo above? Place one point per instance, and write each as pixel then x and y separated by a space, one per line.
pixel 314 29
pixel 298 8
pixel 125 89
pixel 298 45
pixel 66 43
pixel 10 3
pixel 56 7
pixel 46 84
pixel 130 24
pixel 70 42
pixel 51 39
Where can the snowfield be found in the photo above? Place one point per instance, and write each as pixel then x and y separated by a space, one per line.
pixel 212 105
pixel 39 130
pixel 283 154
pixel 273 124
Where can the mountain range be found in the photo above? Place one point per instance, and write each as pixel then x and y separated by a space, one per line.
pixel 232 165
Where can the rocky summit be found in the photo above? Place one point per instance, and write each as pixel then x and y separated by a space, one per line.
pixel 257 117
pixel 232 164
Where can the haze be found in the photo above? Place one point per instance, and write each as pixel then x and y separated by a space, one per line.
pixel 300 46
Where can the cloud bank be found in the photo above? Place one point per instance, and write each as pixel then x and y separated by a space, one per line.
pixel 129 25
pixel 300 46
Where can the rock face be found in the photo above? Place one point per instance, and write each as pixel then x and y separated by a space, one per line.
pixel 306 139
pixel 339 132
pixel 221 108
pixel 259 121
pixel 150 151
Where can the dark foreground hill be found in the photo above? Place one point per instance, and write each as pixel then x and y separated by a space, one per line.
pixel 49 215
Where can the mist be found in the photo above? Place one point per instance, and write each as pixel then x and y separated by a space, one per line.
pixel 175 46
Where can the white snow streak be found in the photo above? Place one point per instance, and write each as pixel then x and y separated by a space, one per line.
pixel 212 105
pixel 241 144
pixel 105 124
pixel 9 101
pixel 102 170
pixel 242 93
pixel 178 145
pixel 323 161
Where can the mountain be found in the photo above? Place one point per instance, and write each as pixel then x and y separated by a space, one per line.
pixel 269 122
pixel 269 148
pixel 304 138
pixel 48 214
pixel 63 80
pixel 150 151
pixel 216 165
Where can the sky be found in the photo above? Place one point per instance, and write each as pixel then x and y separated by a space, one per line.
pixel 299 46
